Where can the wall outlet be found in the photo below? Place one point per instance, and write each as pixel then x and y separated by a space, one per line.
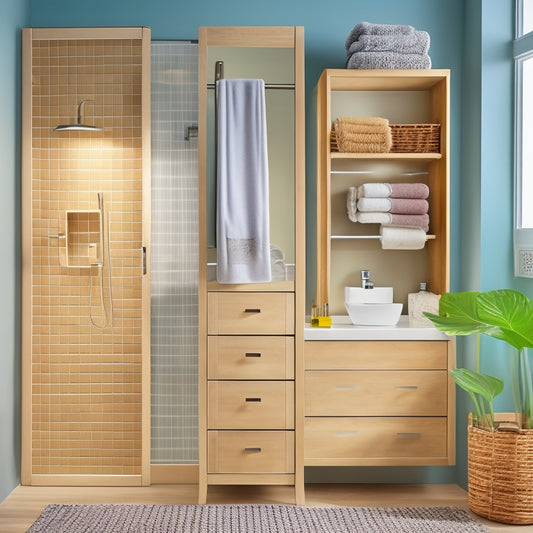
pixel 524 263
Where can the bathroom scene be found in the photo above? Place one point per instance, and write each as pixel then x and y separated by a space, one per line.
pixel 156 261
pixel 266 339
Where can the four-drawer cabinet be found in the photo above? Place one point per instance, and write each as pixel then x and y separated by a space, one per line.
pixel 378 403
pixel 250 387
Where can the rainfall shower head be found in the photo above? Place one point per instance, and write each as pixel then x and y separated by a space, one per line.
pixel 78 126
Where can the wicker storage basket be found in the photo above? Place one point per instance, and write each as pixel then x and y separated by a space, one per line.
pixel 500 474
pixel 408 138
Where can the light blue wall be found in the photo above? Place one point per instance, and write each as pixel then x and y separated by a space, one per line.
pixel 486 185
pixel 14 14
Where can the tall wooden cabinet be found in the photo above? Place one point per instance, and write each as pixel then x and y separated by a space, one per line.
pixel 251 335
pixel 379 396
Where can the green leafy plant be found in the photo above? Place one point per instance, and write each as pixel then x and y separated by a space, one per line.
pixel 504 314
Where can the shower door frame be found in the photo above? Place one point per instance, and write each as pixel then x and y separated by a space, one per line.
pixel 27 475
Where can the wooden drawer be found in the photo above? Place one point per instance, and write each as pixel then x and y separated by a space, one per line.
pixel 250 405
pixel 345 441
pixel 376 355
pixel 250 313
pixel 376 393
pixel 250 452
pixel 250 357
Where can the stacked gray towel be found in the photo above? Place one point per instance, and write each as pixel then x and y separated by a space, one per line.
pixel 387 46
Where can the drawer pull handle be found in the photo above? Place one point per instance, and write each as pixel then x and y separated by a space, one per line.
pixel 252 354
pixel 252 310
pixel 413 387
pixel 252 449
pixel 253 399
pixel 408 435
pixel 346 433
pixel 347 387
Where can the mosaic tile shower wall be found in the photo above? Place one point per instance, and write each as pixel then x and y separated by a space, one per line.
pixel 87 265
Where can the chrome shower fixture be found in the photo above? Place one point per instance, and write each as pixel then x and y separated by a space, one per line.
pixel 79 125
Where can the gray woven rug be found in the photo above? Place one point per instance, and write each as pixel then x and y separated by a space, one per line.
pixel 251 518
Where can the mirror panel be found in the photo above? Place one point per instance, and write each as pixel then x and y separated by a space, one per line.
pixel 274 66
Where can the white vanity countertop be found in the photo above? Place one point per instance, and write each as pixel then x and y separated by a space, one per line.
pixel 342 329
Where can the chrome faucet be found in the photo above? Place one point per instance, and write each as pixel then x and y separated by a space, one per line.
pixel 365 280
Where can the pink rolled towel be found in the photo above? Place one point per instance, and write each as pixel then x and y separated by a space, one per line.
pixel 402 206
pixel 393 190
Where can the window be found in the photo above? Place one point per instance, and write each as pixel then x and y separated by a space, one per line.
pixel 526 17
pixel 523 60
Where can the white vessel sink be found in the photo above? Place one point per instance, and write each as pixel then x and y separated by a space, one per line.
pixel 377 295
pixel 374 314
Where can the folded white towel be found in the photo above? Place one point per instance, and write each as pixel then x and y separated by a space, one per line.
pixel 243 235
pixel 374 217
pixel 351 204
pixel 374 190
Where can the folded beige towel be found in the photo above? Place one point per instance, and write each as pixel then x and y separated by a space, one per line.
pixel 373 121
pixel 363 134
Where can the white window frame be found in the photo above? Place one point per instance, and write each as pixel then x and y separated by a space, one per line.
pixel 523 236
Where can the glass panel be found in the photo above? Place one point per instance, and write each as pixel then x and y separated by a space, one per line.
pixel 174 265
pixel 527 16
pixel 274 66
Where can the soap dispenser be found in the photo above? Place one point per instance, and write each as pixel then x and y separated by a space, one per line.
pixel 421 302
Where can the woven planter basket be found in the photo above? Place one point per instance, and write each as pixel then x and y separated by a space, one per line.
pixel 500 474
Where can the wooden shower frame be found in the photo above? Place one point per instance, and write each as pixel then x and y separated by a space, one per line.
pixel 28 36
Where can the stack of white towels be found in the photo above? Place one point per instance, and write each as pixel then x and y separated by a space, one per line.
pixel 396 204
pixel 387 46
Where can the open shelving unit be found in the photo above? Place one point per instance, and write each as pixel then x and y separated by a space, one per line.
pixel 343 247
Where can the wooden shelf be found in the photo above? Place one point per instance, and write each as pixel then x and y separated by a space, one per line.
pixel 434 156
pixel 354 237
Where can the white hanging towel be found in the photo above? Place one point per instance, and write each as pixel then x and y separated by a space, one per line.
pixel 243 235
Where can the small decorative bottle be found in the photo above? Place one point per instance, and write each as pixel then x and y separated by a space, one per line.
pixel 420 302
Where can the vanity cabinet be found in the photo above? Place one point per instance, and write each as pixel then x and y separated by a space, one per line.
pixel 250 381
pixel 379 403
pixel 379 396
pixel 345 248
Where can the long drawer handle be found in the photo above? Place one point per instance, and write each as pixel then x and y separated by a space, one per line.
pixel 253 399
pixel 252 310
pixel 408 435
pixel 346 433
pixel 252 354
pixel 413 387
pixel 347 387
pixel 252 449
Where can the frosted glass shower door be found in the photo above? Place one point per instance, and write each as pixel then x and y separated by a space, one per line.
pixel 174 264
